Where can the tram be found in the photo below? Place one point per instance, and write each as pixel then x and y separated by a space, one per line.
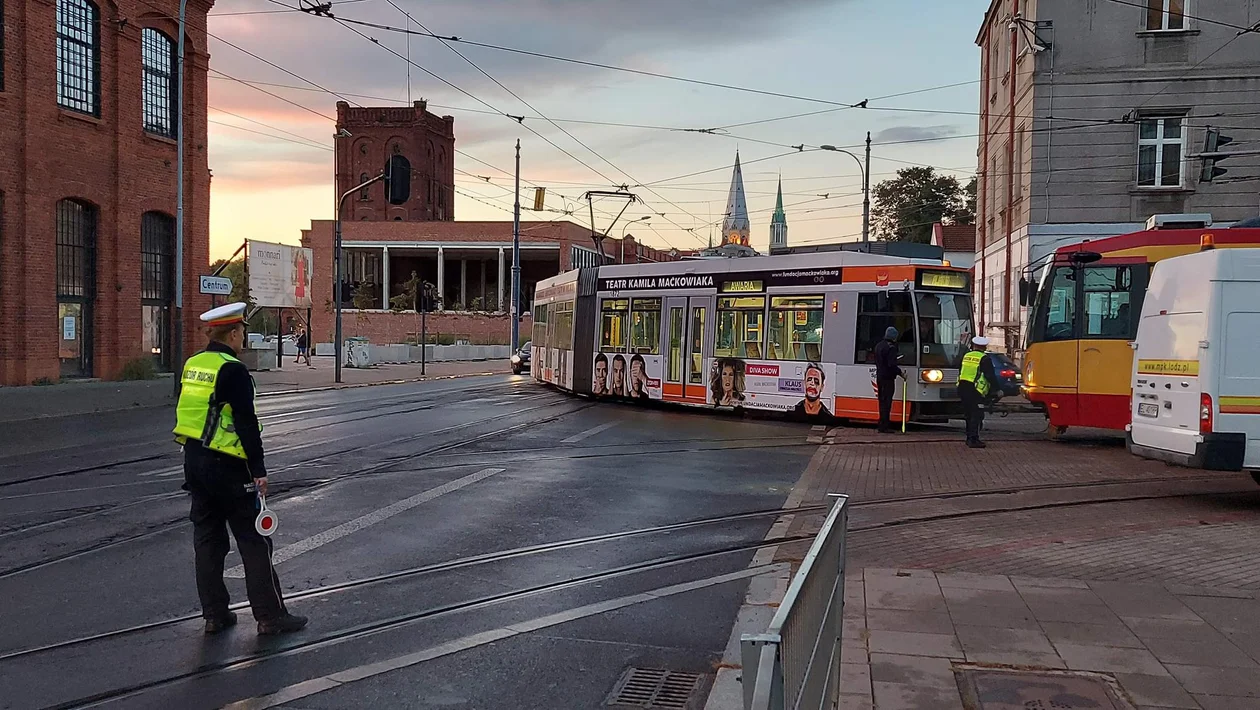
pixel 791 333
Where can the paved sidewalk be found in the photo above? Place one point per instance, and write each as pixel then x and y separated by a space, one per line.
pixel 908 633
pixel 86 397
pixel 1034 555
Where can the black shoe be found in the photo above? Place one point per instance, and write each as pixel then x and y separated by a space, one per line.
pixel 976 444
pixel 286 624
pixel 220 624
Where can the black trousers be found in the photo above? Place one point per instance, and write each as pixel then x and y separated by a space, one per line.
pixel 220 502
pixel 886 389
pixel 972 409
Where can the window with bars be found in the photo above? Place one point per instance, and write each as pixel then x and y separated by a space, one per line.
pixel 1165 15
pixel 1160 149
pixel 365 192
pixel 159 60
pixel 76 250
pixel 157 237
pixel 78 56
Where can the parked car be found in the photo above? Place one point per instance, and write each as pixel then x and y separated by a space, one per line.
pixel 1010 380
pixel 520 359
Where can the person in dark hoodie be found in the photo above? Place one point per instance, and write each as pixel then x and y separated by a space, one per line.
pixel 886 373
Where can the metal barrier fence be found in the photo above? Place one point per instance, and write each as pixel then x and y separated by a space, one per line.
pixel 796 664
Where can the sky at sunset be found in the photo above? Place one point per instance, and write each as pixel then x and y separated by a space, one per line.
pixel 272 160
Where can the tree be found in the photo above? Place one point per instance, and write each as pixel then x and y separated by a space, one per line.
pixel 967 215
pixel 908 205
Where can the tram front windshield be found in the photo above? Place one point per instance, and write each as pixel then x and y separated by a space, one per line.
pixel 944 328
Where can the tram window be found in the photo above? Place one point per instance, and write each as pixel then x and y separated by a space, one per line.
pixel 1108 311
pixel 944 328
pixel 740 328
pixel 613 317
pixel 562 325
pixel 695 375
pixel 675 345
pixel 877 311
pixel 1060 306
pixel 645 326
pixel 539 337
pixel 796 327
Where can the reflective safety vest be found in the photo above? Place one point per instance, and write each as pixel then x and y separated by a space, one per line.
pixel 971 372
pixel 198 416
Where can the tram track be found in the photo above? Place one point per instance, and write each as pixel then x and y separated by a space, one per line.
pixel 306 485
pixel 426 398
pixel 372 628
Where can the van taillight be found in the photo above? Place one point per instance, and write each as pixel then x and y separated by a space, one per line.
pixel 1205 414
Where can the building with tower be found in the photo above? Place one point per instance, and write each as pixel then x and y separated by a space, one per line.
pixel 410 137
pixel 736 228
pixel 778 224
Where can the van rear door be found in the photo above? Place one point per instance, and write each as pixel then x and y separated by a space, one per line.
pixel 1238 404
pixel 1166 384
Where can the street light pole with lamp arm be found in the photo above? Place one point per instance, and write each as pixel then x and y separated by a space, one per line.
pixel 337 265
pixel 623 234
pixel 866 184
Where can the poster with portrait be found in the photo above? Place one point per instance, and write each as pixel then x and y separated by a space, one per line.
pixel 279 275
pixel 633 376
pixel 801 388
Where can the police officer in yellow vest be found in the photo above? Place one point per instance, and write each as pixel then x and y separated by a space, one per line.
pixel 224 473
pixel 974 382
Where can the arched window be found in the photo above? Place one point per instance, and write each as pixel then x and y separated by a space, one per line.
pixel 157 249
pixel 79 56
pixel 76 285
pixel 159 61
pixel 364 194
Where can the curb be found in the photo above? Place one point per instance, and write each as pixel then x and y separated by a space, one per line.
pixel 761 601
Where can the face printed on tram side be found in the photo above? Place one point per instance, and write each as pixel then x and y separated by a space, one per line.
pixel 813 383
pixel 638 377
pixel 600 383
pixel 618 386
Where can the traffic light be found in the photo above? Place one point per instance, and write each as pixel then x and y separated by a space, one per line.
pixel 397 180
pixel 1213 141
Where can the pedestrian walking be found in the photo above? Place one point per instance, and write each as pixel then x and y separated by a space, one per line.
pixel 225 475
pixel 303 349
pixel 974 382
pixel 886 373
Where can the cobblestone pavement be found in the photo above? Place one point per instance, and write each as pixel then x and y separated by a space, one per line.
pixel 1034 554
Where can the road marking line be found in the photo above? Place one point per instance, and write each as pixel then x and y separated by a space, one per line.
pixel 321 684
pixel 589 433
pixel 336 533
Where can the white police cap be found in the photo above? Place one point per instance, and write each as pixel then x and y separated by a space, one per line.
pixel 980 340
pixel 224 315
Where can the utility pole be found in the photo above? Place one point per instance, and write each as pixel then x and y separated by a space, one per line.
pixel 516 255
pixel 866 194
pixel 177 362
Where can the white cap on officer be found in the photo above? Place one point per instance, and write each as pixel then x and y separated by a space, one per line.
pixel 980 340
pixel 224 315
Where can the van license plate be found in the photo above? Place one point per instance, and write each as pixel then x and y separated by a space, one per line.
pixel 1149 410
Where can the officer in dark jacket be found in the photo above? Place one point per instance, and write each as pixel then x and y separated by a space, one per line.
pixel 224 474
pixel 886 373
pixel 975 378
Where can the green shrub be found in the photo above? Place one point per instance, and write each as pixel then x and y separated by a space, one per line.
pixel 44 381
pixel 141 368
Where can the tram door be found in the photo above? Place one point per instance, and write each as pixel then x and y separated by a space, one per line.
pixel 693 388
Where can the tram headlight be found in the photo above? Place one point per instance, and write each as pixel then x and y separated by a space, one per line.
pixel 931 376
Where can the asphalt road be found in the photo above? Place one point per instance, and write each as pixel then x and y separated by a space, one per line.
pixel 474 543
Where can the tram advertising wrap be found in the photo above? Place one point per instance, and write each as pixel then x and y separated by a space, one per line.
pixel 803 388
pixel 627 375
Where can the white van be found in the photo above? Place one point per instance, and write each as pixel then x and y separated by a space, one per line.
pixel 1196 372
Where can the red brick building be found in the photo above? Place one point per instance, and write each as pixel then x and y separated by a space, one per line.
pixel 469 262
pixel 419 143
pixel 88 182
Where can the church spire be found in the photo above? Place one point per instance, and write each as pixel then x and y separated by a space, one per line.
pixel 778 224
pixel 735 225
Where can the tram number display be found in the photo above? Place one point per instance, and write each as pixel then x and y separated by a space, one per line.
pixel 951 280
pixel 743 287
pixel 803 388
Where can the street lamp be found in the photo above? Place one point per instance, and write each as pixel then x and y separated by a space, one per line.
pixel 866 184
pixel 337 266
pixel 623 235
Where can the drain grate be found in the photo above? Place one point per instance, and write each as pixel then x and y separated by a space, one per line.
pixel 992 689
pixel 653 689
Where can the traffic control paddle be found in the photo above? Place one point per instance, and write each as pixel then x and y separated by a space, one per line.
pixel 903 405
pixel 266 521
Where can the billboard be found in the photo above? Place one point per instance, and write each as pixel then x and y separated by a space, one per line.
pixel 279 275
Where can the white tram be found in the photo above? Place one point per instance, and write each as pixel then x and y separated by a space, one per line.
pixel 792 333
